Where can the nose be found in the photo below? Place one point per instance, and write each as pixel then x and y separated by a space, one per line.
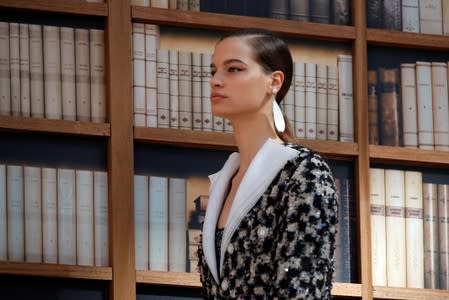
pixel 216 80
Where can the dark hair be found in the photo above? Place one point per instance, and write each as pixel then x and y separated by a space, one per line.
pixel 272 54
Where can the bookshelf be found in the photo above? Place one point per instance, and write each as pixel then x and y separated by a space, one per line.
pixel 118 16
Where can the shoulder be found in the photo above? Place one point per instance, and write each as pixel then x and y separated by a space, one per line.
pixel 309 162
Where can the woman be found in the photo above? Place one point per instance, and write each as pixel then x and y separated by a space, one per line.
pixel 269 230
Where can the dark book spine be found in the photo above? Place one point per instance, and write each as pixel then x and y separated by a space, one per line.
pixel 206 5
pixel 374 13
pixel 392 15
pixel 319 11
pixel 342 12
pixel 443 229
pixel 236 7
pixel 258 8
pixel 431 261
pixel 373 107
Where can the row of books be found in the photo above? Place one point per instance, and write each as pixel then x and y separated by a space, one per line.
pixel 321 11
pixel 52 72
pixel 424 16
pixel 171 89
pixel 408 106
pixel 53 215
pixel 409 230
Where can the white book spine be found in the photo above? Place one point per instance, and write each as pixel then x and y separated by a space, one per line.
pixel 310 101
pixel 158 223
pixel 33 213
pixel 300 100
pixel 3 214
pixel 177 228
pixel 66 217
pixel 68 84
pixel 84 217
pixel 289 105
pixel 440 106
pixel 36 71
pixel 141 220
pixel 159 3
pixel 410 15
pixel 151 45
pixel 163 89
pixel 82 70
pixel 49 215
pixel 345 98
pixel 101 232
pixel 378 233
pixel 97 76
pixel 409 109
pixel 197 117
pixel 5 71
pixel 424 105
pixel 173 76
pixel 321 102
pixel 185 90
pixel 14 61
pixel 332 103
pixel 25 104
pixel 206 60
pixel 52 72
pixel 431 16
pixel 139 73
pixel 414 229
pixel 15 214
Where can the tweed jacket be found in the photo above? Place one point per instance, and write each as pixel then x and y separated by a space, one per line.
pixel 278 241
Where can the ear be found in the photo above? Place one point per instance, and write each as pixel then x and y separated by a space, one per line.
pixel 277 78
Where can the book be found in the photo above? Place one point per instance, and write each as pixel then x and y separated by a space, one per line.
pixel 374 13
pixel 194 5
pixel 97 76
pixel 197 117
pixel 163 89
pixel 378 231
pixel 345 98
pixel 341 10
pixel 373 108
pixel 430 229
pixel 409 109
pixel 33 213
pixel 177 226
pixel 159 3
pixel 279 9
pixel 332 103
pixel 138 35
pixel 66 204
pixel 52 72
pixel 24 45
pixel 173 76
pixel 319 11
pixel 445 4
pixel 15 213
pixel 300 99
pixel 151 46
pixel 49 216
pixel 299 10
pixel 392 14
pixel 182 4
pixel 440 106
pixel 395 228
pixel 431 16
pixel 36 71
pixel 311 80
pixel 289 105
pixel 206 59
pixel 410 15
pixel 141 221
pixel 173 4
pixel 185 90
pixel 14 63
pixel 443 229
pixel 424 105
pixel 321 102
pixel 5 79
pixel 84 184
pixel 101 239
pixel 68 82
pixel 414 227
pixel 82 71
pixel 3 214
pixel 140 2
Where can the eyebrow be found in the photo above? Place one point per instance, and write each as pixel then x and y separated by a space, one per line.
pixel 231 60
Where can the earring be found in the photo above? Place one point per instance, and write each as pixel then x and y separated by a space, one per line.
pixel 278 117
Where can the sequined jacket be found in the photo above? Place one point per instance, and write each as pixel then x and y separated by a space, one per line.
pixel 278 241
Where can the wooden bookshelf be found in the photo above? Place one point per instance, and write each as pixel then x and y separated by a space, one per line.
pixel 56 270
pixel 409 156
pixel 380 292
pixel 74 7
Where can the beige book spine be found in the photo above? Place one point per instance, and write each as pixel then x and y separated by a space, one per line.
pixel 138 36
pixel 97 75
pixel 206 60
pixel 414 229
pixel 443 228
pixel 177 225
pixel 159 3
pixel 424 105
pixel 395 228
pixel 410 15
pixel 173 4
pixel 431 248
pixel 173 75
pixel 185 90
pixel 49 216
pixel 14 61
pixel 182 4
pixel 440 106
pixel 33 213
pixel 68 82
pixel 409 111
pixel 5 71
pixel 25 104
pixel 82 70
pixel 84 183
pixel 152 36
pixel 431 16
pixel 378 231
pixel 194 5
pixel 163 89
pixel 141 219
pixel 310 75
pixel 15 213
pixel 3 214
pixel 66 217
pixel 101 218
pixel 321 102
pixel 445 17
pixel 300 99
pixel 197 118
pixel 36 71
pixel 52 72
pixel 332 103
pixel 140 2
pixel 345 98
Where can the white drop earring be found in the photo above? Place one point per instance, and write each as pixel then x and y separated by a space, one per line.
pixel 278 117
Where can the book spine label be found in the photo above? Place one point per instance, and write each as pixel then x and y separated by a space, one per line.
pixel 440 106
pixel 409 109
pixel 15 213
pixel 68 84
pixel 25 104
pixel 36 71
pixel 101 218
pixel 97 75
pixel 33 214
pixel 49 216
pixel 82 71
pixel 345 98
pixel 141 219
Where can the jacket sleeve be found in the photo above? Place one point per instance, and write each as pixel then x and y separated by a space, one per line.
pixel 304 254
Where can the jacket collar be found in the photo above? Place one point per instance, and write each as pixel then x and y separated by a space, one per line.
pixel 253 185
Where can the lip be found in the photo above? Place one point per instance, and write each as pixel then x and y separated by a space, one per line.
pixel 217 96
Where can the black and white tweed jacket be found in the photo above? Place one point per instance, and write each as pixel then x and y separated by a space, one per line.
pixel 278 242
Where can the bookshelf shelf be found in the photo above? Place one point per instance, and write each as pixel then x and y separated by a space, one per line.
pixel 381 292
pixel 225 141
pixel 225 22
pixel 54 126
pixel 409 156
pixel 55 270
pixel 407 39
pixel 75 7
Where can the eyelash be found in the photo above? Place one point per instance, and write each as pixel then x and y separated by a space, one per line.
pixel 230 69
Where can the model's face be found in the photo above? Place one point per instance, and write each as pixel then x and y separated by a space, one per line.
pixel 239 85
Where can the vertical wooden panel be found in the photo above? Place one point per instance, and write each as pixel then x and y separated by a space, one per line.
pixel 361 133
pixel 121 157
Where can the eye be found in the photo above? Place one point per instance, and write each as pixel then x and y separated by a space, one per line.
pixel 234 69
pixel 212 72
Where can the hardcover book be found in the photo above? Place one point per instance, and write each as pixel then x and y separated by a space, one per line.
pixel 3 214
pixel 36 72
pixel 101 218
pixel 332 103
pixel 82 71
pixel 15 213
pixel 5 79
pixel 440 106
pixel 25 104
pixel 431 246
pixel 84 217
pixel 66 217
pixel 141 221
pixel 424 105
pixel 14 61
pixel 33 213
pixel 138 36
pixel 68 82
pixel 373 108
pixel 443 229
pixel 409 109
pixel 345 98
pixel 52 72
pixel 49 216
pixel 300 99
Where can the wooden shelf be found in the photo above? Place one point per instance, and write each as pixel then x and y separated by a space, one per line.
pixel 408 156
pixel 407 39
pixel 54 126
pixel 382 292
pixel 55 270
pixel 76 7
pixel 225 141
pixel 226 22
